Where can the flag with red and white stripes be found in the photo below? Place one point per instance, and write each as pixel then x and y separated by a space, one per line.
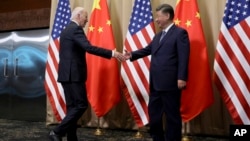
pixel 54 89
pixel 135 75
pixel 232 60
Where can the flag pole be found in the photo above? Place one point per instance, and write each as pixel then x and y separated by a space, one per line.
pixel 98 131
pixel 185 136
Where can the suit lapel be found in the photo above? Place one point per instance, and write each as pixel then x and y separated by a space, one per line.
pixel 167 35
pixel 165 38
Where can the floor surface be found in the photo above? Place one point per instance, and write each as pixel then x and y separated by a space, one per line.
pixel 12 130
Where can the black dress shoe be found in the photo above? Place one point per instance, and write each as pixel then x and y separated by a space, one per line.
pixel 54 137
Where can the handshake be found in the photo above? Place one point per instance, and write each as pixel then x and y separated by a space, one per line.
pixel 122 57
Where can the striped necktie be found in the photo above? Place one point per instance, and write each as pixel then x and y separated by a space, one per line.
pixel 163 33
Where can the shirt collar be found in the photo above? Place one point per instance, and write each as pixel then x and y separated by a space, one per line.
pixel 166 29
pixel 75 22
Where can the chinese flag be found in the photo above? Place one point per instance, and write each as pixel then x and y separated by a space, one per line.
pixel 103 76
pixel 199 94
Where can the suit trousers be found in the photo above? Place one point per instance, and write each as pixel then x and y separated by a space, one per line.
pixel 168 103
pixel 76 104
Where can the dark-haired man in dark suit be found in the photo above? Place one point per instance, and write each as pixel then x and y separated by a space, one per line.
pixel 72 72
pixel 169 52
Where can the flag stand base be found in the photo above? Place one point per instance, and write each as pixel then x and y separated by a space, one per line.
pixel 185 138
pixel 138 135
pixel 98 132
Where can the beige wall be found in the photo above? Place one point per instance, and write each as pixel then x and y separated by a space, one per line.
pixel 213 121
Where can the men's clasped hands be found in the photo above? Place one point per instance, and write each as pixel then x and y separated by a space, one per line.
pixel 122 57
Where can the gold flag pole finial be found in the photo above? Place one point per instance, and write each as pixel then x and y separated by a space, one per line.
pixel 98 131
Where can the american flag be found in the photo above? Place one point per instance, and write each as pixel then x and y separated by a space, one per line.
pixel 232 60
pixel 53 88
pixel 135 75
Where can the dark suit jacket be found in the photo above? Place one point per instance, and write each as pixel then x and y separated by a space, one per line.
pixel 169 59
pixel 73 47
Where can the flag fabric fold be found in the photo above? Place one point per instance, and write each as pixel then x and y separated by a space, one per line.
pixel 232 60
pixel 54 89
pixel 103 89
pixel 199 93
pixel 135 75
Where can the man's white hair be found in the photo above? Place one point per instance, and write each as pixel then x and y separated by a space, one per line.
pixel 76 11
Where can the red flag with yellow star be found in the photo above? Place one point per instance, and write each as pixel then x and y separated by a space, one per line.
pixel 103 88
pixel 199 93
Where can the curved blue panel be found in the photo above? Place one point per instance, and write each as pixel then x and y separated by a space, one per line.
pixel 5 56
pixel 30 67
pixel 26 55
